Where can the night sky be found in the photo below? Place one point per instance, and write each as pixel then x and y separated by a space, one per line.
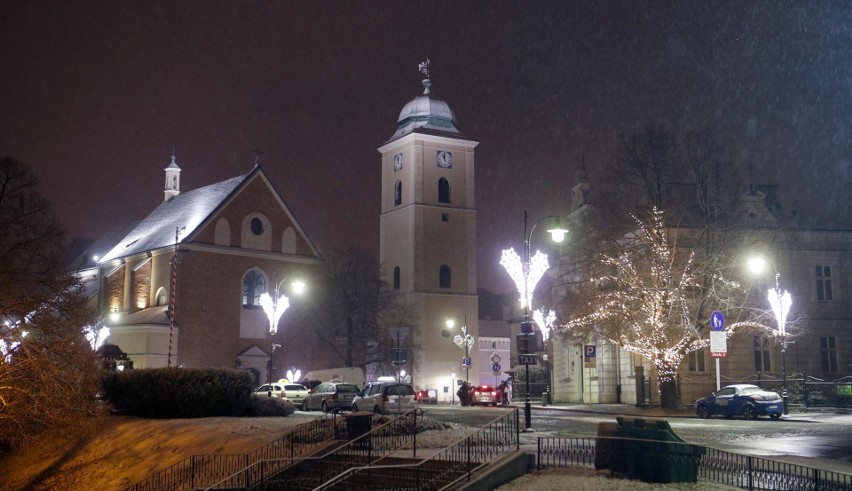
pixel 95 95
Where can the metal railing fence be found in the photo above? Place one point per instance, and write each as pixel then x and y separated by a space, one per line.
pixel 203 470
pixel 711 465
pixel 310 472
pixel 449 466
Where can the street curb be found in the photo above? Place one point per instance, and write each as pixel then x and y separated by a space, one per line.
pixel 635 412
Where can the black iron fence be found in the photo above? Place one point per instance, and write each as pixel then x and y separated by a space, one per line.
pixel 455 463
pixel 802 390
pixel 372 444
pixel 704 464
pixel 200 471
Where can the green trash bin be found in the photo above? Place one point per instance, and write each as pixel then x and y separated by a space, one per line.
pixel 359 424
pixel 651 451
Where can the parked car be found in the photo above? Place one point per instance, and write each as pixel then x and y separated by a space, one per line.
pixel 295 393
pixel 384 398
pixel 423 396
pixel 310 384
pixel 485 395
pixel 330 395
pixel 749 401
pixel 271 390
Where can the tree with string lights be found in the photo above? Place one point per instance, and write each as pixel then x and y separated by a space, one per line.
pixel 648 295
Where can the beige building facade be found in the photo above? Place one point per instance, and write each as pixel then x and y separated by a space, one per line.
pixel 428 238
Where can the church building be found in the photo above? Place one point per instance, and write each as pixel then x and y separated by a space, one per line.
pixel 183 286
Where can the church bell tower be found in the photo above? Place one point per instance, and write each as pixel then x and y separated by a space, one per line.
pixel 428 238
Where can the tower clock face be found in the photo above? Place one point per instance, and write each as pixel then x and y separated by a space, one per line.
pixel 397 162
pixel 445 159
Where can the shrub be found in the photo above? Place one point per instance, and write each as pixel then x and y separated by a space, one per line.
pixel 269 406
pixel 178 392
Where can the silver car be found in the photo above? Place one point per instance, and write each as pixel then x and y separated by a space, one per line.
pixel 330 395
pixel 385 398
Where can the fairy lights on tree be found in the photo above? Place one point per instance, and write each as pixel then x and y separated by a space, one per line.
pixel 652 298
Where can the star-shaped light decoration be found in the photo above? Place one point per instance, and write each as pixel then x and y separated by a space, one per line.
pixel 525 280
pixel 96 337
pixel 545 319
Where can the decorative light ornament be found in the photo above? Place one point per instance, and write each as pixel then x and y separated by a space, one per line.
pixel 96 337
pixel 527 278
pixel 544 319
pixel 274 309
pixel 781 303
pixel 294 374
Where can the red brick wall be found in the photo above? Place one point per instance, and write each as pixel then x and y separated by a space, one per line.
pixel 115 290
pixel 142 287
pixel 255 197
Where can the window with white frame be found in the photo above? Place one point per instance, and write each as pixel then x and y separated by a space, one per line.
pixel 761 354
pixel 254 284
pixel 824 290
pixel 695 361
pixel 828 353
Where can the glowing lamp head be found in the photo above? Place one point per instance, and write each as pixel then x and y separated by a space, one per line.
pixel 557 233
pixel 756 265
pixel 298 287
pixel 450 323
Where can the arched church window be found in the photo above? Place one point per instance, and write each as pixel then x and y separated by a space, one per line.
pixel 397 194
pixel 254 284
pixel 443 191
pixel 396 278
pixel 445 277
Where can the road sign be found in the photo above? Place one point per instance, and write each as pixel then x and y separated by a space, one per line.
pixel 718 344
pixel 717 320
pixel 526 327
pixel 495 367
pixel 496 358
pixel 527 360
pixel 590 356
pixel 466 361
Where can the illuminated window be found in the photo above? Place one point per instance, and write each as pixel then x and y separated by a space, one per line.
pixel 443 191
pixel 823 283
pixel 761 354
pixel 445 277
pixel 254 284
pixel 828 354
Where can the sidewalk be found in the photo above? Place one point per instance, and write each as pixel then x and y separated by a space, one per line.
pixel 686 412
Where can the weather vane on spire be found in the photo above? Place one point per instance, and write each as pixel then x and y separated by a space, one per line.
pixel 424 67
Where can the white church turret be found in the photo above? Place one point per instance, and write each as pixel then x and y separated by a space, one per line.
pixel 172 188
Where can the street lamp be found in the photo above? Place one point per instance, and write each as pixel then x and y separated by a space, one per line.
pixel 275 306
pixel 780 303
pixel 464 341
pixel 526 276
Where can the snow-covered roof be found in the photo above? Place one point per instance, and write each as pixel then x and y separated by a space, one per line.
pixel 184 212
pixel 425 114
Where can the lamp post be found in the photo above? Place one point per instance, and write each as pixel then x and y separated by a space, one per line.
pixel 275 306
pixel 464 341
pixel 780 303
pixel 526 276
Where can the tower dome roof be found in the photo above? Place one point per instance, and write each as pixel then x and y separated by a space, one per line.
pixel 425 114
